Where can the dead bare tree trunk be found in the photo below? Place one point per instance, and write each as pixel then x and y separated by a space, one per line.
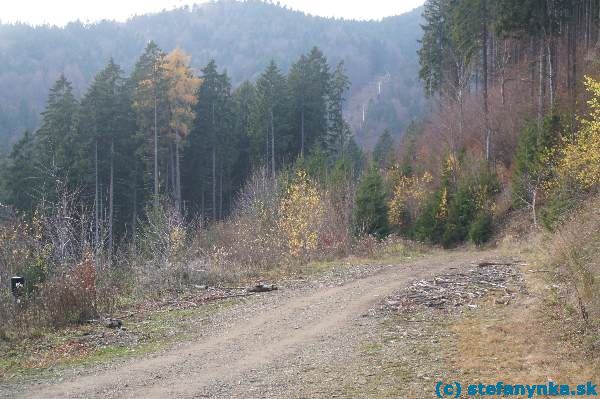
pixel 134 213
pixel 551 81
pixel 267 157
pixel 214 183
pixel 534 207
pixel 177 174
pixel 96 201
pixel 202 207
pixel 221 192
pixel 504 61
pixel 542 82
pixel 532 72
pixel 111 198
pixel 588 16
pixel 573 69
pixel 302 132
pixel 214 166
pixel 272 144
pixel 484 58
pixel 155 141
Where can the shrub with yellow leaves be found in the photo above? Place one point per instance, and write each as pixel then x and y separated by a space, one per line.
pixel 580 158
pixel 409 194
pixel 300 214
pixel 177 239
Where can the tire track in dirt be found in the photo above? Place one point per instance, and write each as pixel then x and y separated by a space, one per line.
pixel 263 349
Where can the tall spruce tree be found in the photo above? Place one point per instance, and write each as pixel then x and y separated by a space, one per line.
pixel 309 84
pixel 271 117
pixel 299 101
pixel 338 132
pixel 105 138
pixel 18 176
pixel 54 141
pixel 370 213
pixel 205 153
pixel 244 102
pixel 434 45
pixel 384 151
pixel 150 104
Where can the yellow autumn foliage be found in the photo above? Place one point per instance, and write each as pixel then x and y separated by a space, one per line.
pixel 300 214
pixel 177 240
pixel 181 91
pixel 580 155
pixel 442 212
pixel 408 196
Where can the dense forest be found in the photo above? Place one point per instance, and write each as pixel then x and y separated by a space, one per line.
pixel 232 33
pixel 165 134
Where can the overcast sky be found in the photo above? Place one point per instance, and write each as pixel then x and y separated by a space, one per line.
pixel 59 12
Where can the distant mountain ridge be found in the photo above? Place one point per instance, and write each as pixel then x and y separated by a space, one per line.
pixel 242 37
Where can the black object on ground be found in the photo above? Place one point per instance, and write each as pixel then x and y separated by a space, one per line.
pixel 262 288
pixel 17 286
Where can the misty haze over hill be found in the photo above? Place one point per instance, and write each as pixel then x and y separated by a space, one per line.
pixel 243 37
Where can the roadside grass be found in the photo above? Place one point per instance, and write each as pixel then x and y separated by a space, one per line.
pixel 387 253
pixel 403 359
pixel 49 352
pixel 536 339
pixel 392 254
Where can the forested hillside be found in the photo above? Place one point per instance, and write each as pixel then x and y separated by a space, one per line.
pixel 242 37
pixel 514 88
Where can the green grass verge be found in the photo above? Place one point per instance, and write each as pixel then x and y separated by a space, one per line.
pixel 52 351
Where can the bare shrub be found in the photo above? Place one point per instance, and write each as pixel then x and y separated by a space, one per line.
pixel 393 245
pixel 241 248
pixel 366 246
pixel 18 320
pixel 65 282
pixel 64 229
pixel 276 224
pixel 249 241
pixel 335 236
pixel 160 257
pixel 575 252
pixel 71 298
pixel 23 252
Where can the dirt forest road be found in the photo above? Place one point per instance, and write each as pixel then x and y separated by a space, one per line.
pixel 284 344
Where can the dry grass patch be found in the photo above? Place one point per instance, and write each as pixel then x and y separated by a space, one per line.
pixel 149 329
pixel 534 340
